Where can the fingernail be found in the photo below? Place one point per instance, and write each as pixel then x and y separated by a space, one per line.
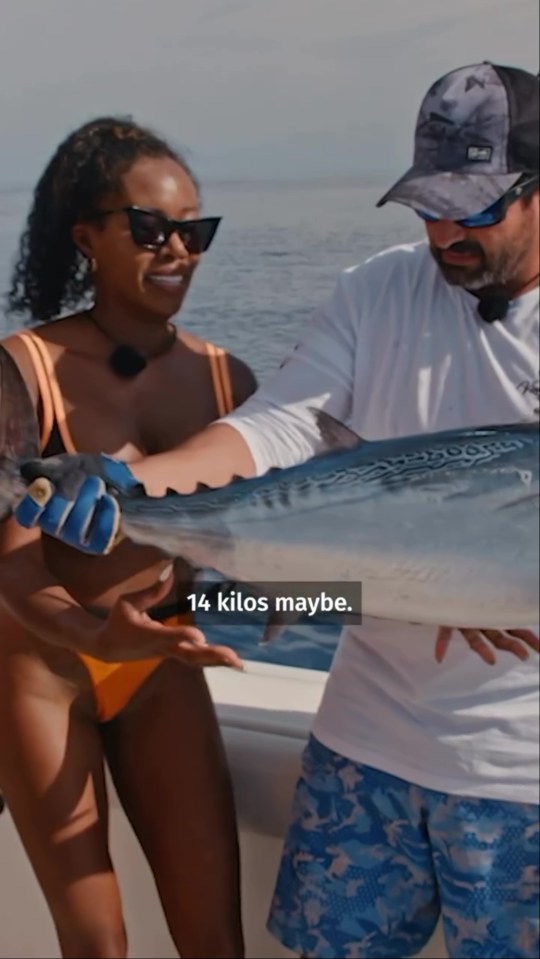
pixel 165 573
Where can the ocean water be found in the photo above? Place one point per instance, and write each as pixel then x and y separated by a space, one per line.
pixel 276 257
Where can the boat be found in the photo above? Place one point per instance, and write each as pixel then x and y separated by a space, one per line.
pixel 263 743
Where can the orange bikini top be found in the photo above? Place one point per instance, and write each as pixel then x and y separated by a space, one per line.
pixel 53 413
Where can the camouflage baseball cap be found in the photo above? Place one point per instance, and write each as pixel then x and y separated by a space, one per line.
pixel 476 135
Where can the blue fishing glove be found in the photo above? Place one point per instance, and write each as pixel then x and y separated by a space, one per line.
pixel 70 498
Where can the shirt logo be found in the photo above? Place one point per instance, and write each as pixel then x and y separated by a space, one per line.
pixel 531 387
pixel 479 154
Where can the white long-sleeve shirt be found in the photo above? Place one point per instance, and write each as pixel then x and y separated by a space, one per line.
pixel 397 351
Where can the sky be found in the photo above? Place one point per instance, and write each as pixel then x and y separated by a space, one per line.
pixel 248 88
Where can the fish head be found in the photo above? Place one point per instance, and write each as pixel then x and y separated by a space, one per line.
pixel 19 438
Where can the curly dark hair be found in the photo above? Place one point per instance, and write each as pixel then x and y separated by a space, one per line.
pixel 50 274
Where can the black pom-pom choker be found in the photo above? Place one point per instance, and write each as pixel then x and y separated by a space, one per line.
pixel 125 360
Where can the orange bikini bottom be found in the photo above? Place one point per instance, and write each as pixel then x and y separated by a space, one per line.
pixel 115 683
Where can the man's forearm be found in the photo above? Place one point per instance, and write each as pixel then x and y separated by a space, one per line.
pixel 213 457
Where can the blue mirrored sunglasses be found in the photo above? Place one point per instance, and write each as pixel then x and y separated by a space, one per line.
pixel 494 213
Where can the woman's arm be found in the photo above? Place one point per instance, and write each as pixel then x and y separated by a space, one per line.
pixel 36 600
pixel 34 597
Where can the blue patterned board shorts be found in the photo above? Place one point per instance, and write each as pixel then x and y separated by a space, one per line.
pixel 370 862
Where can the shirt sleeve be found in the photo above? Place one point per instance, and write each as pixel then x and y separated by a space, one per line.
pixel 276 422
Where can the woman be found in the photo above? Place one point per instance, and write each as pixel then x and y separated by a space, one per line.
pixel 115 220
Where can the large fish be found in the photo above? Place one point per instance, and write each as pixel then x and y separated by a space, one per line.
pixel 439 528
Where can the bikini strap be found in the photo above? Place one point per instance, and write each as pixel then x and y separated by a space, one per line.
pixel 221 379
pixel 47 409
pixel 51 397
pixel 53 405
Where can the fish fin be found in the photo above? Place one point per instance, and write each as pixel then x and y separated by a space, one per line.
pixel 276 624
pixel 205 488
pixel 277 621
pixel 200 488
pixel 335 435
pixel 220 587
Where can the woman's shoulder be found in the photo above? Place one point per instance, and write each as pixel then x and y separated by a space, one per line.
pixel 242 378
pixel 14 344
pixel 19 344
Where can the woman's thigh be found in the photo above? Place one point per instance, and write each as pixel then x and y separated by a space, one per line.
pixel 52 779
pixel 170 770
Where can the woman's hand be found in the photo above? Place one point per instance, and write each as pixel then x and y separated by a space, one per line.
pixel 481 641
pixel 129 633
pixel 70 498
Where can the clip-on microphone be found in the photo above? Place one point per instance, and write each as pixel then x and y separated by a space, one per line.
pixel 494 304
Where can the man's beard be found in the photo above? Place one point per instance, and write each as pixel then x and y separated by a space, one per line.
pixel 496 270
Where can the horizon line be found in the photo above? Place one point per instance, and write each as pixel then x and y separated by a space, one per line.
pixel 13 186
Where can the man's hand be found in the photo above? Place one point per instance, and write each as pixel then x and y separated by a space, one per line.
pixel 129 633
pixel 69 498
pixel 481 641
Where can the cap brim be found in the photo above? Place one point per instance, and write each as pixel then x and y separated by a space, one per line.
pixel 452 196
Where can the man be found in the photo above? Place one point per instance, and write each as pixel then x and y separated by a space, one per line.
pixel 419 789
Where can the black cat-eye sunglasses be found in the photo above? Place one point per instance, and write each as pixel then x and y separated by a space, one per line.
pixel 152 230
